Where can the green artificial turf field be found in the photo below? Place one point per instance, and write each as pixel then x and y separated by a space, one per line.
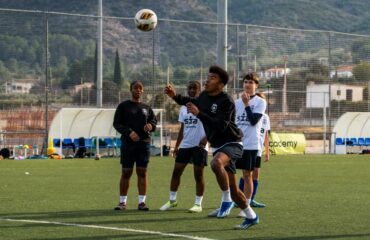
pixel 307 197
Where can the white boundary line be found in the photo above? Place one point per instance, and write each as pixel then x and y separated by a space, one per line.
pixel 107 228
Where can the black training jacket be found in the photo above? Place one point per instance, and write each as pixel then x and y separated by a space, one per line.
pixel 217 114
pixel 132 116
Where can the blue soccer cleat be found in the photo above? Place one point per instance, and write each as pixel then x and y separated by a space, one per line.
pixel 256 204
pixel 225 209
pixel 247 223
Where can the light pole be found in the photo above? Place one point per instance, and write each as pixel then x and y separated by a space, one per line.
pixel 268 98
pixel 368 96
pixel 47 87
pixel 99 84
pixel 81 92
pixel 222 33
pixel 285 106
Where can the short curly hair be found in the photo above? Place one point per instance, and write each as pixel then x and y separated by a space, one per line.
pixel 223 75
pixel 132 84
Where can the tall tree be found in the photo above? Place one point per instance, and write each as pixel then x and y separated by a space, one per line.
pixel 361 72
pixel 117 77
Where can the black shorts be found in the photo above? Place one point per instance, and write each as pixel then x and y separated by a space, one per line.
pixel 234 151
pixel 247 161
pixel 135 153
pixel 195 155
pixel 258 162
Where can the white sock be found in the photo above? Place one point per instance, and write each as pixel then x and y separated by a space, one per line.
pixel 198 200
pixel 173 196
pixel 226 197
pixel 122 199
pixel 250 213
pixel 248 202
pixel 142 198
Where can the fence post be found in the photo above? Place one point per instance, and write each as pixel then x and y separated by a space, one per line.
pixel 46 81
pixel 285 106
pixel 99 84
pixel 329 103
pixel 324 122
pixel 222 33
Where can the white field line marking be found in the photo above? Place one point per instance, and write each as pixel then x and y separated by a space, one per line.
pixel 108 228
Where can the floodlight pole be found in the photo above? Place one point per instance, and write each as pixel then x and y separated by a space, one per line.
pixel 46 80
pixel 329 103
pixel 238 62
pixel 324 122
pixel 99 84
pixel 222 33
pixel 153 60
pixel 285 106
pixel 368 96
pixel 201 76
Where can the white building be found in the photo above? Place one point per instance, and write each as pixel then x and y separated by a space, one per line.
pixel 342 72
pixel 317 95
pixel 19 86
pixel 274 73
pixel 79 87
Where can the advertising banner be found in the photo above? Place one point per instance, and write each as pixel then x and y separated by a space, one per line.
pixel 287 143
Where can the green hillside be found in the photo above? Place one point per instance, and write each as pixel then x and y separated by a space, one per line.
pixel 72 39
pixel 338 15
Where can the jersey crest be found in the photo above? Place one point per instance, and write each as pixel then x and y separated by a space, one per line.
pixel 214 108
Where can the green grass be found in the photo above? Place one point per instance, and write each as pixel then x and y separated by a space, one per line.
pixel 307 197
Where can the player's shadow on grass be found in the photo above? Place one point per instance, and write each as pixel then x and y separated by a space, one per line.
pixel 68 214
pixel 91 217
pixel 61 214
pixel 95 213
pixel 133 236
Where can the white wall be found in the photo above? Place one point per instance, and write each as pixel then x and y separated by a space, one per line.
pixel 356 92
pixel 318 94
pixel 341 74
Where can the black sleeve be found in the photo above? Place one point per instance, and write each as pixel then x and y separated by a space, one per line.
pixel 182 100
pixel 223 119
pixel 152 119
pixel 118 122
pixel 252 117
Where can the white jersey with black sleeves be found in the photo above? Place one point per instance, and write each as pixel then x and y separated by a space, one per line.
pixel 251 132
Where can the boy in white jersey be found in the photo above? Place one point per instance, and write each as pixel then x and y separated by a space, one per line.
pixel 264 142
pixel 249 111
pixel 192 149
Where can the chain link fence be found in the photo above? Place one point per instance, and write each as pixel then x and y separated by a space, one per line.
pixel 310 78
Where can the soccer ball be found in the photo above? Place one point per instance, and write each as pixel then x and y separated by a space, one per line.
pixel 146 20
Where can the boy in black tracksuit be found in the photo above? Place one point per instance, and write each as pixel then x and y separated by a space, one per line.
pixel 134 120
pixel 216 110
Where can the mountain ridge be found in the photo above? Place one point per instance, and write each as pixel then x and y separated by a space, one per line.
pixel 336 15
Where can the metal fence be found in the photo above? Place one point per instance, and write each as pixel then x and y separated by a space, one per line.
pixel 310 78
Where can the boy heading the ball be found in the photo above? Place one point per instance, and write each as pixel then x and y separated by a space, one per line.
pixel 216 110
